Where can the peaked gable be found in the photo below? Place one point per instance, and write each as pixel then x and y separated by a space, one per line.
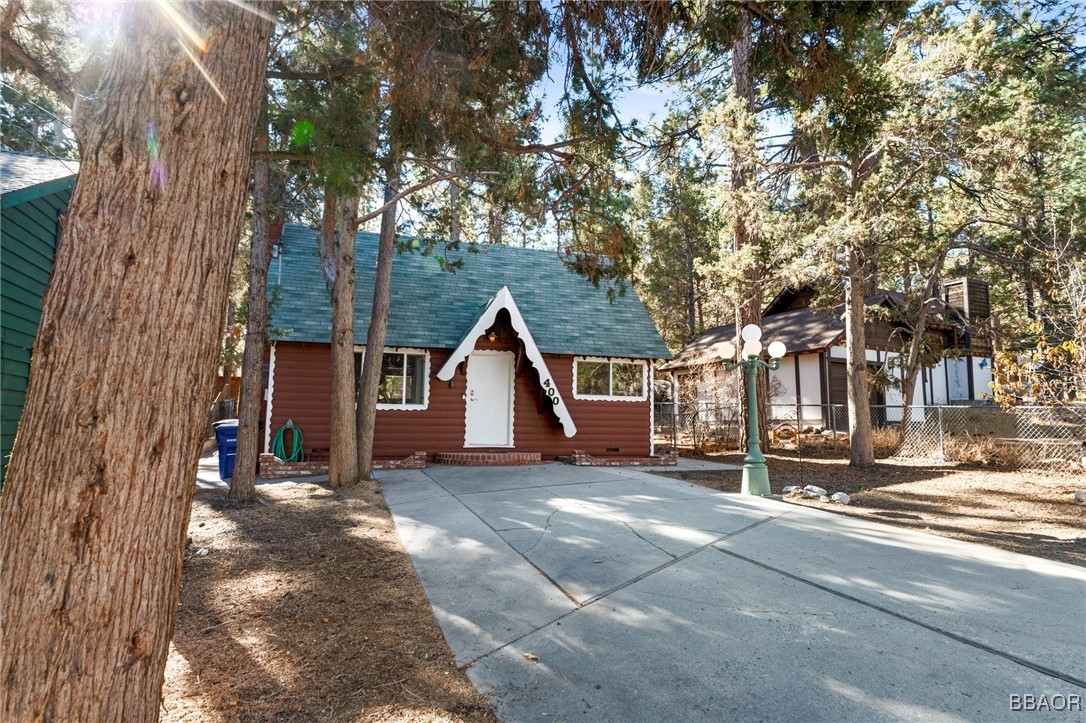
pixel 504 300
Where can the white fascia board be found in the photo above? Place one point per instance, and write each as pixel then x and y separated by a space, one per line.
pixel 504 300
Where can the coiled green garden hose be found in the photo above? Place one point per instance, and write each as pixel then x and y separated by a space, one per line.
pixel 280 451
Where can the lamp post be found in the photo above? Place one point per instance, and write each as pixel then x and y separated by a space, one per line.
pixel 755 472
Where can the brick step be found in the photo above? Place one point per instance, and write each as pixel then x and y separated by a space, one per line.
pixel 488 459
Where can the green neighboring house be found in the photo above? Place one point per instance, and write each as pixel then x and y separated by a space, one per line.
pixel 34 192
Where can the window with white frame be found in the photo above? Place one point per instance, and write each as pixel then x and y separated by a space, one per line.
pixel 622 380
pixel 405 374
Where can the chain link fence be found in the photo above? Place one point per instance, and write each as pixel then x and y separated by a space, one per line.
pixel 1037 438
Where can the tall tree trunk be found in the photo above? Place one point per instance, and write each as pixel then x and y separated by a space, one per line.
pixel 343 465
pixel 243 483
pixel 454 206
pixel 96 502
pixel 497 222
pixel 861 450
pixel 749 308
pixel 370 377
pixel 915 351
pixel 691 309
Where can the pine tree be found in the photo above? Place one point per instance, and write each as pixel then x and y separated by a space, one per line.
pixel 96 502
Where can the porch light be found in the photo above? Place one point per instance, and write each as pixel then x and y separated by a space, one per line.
pixel 755 472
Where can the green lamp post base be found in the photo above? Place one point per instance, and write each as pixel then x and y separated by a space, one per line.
pixel 755 473
pixel 755 479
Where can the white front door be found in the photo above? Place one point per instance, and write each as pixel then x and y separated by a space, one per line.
pixel 489 417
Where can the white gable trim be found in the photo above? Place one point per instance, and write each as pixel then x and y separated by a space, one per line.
pixel 504 300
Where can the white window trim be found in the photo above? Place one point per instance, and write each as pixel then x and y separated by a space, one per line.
pixel 388 407
pixel 610 361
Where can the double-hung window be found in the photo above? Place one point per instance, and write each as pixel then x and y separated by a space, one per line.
pixel 606 379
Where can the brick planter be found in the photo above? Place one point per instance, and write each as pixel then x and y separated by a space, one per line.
pixel 271 467
pixel 415 461
pixel 581 458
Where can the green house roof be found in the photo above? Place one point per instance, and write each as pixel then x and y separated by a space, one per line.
pixel 434 308
pixel 25 177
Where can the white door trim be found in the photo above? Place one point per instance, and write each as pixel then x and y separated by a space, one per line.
pixel 470 390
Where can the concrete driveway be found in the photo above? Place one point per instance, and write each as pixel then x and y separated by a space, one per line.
pixel 576 593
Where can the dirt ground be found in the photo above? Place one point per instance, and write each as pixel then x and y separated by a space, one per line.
pixel 305 607
pixel 1028 512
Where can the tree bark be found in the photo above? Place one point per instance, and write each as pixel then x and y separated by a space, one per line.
pixel 95 506
pixel 749 308
pixel 243 483
pixel 454 205
pixel 370 377
pixel 861 450
pixel 916 342
pixel 691 315
pixel 343 462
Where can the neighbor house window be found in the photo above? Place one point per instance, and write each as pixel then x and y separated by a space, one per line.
pixel 606 379
pixel 404 377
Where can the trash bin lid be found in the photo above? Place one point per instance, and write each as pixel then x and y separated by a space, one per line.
pixel 233 422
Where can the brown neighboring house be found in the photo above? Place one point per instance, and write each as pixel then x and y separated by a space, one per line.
pixel 812 374
pixel 512 352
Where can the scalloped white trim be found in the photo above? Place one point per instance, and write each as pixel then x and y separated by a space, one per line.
pixel 608 397
pixel 504 300
pixel 652 411
pixel 271 389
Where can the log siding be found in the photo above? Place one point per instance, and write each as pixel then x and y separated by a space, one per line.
pixel 302 393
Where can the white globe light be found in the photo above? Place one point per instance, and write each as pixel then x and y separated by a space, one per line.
pixel 725 350
pixel 751 332
pixel 777 349
pixel 752 348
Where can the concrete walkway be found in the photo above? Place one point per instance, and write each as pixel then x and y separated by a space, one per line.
pixel 611 594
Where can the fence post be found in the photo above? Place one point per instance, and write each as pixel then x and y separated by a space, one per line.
pixel 798 425
pixel 675 427
pixel 831 412
pixel 942 438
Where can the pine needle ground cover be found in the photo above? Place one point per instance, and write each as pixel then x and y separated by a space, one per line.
pixel 305 607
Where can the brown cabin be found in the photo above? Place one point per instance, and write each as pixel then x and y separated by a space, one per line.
pixel 512 352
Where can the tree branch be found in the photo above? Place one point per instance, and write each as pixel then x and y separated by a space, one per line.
pixel 806 165
pixel 330 74
pixel 981 249
pixel 996 222
pixel 59 83
pixel 282 156
pixel 548 148
pixel 401 194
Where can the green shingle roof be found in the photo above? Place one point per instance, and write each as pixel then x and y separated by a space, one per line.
pixel 435 308
pixel 24 177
